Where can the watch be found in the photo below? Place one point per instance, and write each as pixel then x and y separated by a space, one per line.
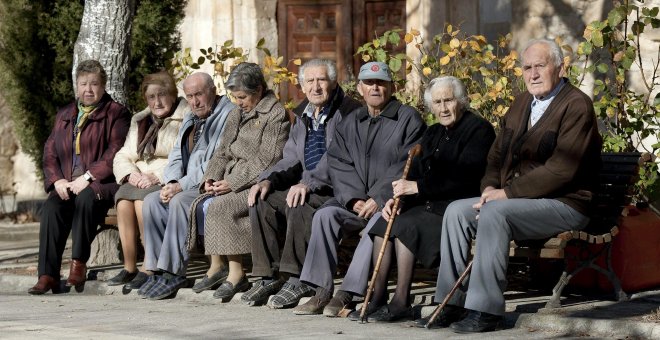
pixel 88 177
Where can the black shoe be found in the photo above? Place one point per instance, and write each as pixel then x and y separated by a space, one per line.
pixel 477 322
pixel 387 314
pixel 211 282
pixel 371 308
pixel 227 290
pixel 447 316
pixel 137 282
pixel 122 278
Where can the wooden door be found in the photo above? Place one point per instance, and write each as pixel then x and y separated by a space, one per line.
pixel 315 29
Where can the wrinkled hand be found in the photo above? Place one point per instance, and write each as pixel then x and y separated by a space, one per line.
pixel 369 208
pixel 147 180
pixel 62 189
pixel 221 187
pixel 489 194
pixel 169 190
pixel 297 195
pixel 404 187
pixel 134 178
pixel 358 206
pixel 78 185
pixel 387 209
pixel 260 189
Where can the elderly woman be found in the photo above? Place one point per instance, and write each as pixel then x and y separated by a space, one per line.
pixel 139 165
pixel 452 162
pixel 78 176
pixel 253 140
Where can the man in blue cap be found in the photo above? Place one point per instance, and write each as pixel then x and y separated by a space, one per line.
pixel 369 151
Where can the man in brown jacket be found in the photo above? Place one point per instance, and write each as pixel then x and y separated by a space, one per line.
pixel 541 170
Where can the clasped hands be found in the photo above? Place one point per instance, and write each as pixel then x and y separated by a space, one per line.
pixel 142 181
pixel 216 188
pixel 62 187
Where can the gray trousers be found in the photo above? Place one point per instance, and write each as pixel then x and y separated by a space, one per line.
pixel 166 231
pixel 272 217
pixel 357 275
pixel 499 222
pixel 329 222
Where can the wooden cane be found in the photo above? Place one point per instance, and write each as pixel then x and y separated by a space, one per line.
pixel 414 151
pixel 453 290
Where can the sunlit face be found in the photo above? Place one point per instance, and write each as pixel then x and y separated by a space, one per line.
pixel 539 72
pixel 317 85
pixel 246 101
pixel 89 88
pixel 159 101
pixel 200 97
pixel 375 92
pixel 444 105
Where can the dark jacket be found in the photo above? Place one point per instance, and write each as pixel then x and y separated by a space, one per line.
pixel 452 162
pixel 290 170
pixel 368 153
pixel 100 139
pixel 559 157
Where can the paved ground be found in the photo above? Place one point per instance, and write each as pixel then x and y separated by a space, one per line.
pixel 108 312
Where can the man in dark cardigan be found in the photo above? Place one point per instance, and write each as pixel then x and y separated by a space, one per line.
pixel 539 180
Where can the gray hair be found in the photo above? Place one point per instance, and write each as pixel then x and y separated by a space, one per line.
pixel 330 66
pixel 92 66
pixel 556 54
pixel 460 92
pixel 247 77
pixel 208 80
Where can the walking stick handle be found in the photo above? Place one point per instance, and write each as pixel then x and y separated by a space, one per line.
pixel 412 153
pixel 453 290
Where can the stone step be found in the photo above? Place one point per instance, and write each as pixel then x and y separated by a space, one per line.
pixel 19 232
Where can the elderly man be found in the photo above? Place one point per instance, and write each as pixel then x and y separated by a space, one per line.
pixel 288 194
pixel 166 212
pixel 368 152
pixel 538 181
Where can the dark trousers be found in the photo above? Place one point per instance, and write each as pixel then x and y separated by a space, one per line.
pixel 80 216
pixel 270 218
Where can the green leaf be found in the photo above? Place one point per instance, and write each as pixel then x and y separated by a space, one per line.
pixel 597 38
pixel 638 27
pixel 194 66
pixel 266 51
pixel 381 55
pixel 203 51
pixel 615 16
pixel 394 39
pixel 656 100
pixel 395 64
pixel 654 12
pixel 260 44
pixel 602 68
pixel 210 49
pixel 201 60
pixel 655 22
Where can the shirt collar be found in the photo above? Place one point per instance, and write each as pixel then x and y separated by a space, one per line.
pixel 553 93
pixel 390 110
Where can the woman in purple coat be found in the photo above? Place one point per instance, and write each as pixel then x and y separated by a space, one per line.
pixel 78 176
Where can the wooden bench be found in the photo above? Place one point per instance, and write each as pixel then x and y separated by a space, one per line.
pixel 617 176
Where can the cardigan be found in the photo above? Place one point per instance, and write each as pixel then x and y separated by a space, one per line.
pixel 558 158
pixel 127 160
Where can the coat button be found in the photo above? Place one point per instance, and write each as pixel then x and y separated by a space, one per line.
pixel 517 174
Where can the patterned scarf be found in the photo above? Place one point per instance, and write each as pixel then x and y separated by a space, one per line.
pixel 147 147
pixel 83 113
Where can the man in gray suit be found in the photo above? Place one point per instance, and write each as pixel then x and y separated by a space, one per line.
pixel 166 212
pixel 369 151
pixel 538 182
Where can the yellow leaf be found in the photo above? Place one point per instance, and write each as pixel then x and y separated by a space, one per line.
pixel 451 54
pixel 587 32
pixel 480 38
pixel 219 68
pixel 279 60
pixel 517 71
pixel 475 46
pixel 567 61
pixel 297 61
pixel 366 57
pixel 514 55
pixel 376 43
pixel 408 38
pixel 444 60
pixel 426 71
pixel 414 32
pixel 424 59
pixel 449 28
pixel 454 43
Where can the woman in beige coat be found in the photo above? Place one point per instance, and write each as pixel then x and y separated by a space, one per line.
pixel 139 165
pixel 252 141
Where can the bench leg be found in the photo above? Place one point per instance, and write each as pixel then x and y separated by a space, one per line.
pixel 609 273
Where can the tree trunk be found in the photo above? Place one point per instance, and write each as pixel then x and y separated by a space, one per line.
pixel 105 35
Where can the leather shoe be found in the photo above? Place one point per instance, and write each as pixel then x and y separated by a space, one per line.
pixel 44 284
pixel 123 277
pixel 388 314
pixel 211 282
pixel 477 322
pixel 77 273
pixel 447 316
pixel 227 290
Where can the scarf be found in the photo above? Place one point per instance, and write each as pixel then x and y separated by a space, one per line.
pixel 147 147
pixel 83 113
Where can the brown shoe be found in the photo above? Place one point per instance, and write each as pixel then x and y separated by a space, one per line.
pixel 313 306
pixel 77 273
pixel 45 283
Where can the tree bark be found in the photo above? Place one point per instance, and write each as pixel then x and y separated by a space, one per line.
pixel 105 35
